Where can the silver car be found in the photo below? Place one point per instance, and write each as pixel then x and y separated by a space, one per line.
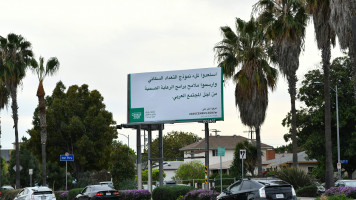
pixel 36 193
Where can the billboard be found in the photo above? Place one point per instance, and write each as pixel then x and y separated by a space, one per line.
pixel 175 96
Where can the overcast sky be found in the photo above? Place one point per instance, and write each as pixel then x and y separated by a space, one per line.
pixel 99 42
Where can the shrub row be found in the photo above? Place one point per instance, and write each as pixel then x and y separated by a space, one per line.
pixel 170 192
pixel 201 195
pixel 73 193
pixel 9 194
pixel 348 191
pixel 307 191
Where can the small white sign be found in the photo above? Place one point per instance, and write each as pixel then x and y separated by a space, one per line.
pixel 30 171
pixel 338 165
pixel 242 153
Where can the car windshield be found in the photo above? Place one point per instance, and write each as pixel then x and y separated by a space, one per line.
pixel 101 187
pixel 350 183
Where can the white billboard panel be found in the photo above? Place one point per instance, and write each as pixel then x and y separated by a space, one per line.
pixel 178 96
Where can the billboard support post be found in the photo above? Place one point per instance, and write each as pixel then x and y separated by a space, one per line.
pixel 160 141
pixel 149 146
pixel 207 156
pixel 139 161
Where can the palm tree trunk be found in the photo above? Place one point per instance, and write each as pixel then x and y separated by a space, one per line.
pixel 352 53
pixel 259 154
pixel 329 178
pixel 15 117
pixel 292 81
pixel 42 110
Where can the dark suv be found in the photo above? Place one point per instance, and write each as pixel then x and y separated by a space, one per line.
pixel 261 188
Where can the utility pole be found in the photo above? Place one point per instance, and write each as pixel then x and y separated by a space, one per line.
pixel 250 133
pixel 215 131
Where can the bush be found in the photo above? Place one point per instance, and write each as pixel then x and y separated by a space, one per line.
pixel 201 195
pixel 296 177
pixel 217 188
pixel 73 193
pixel 135 195
pixel 307 191
pixel 348 191
pixel 339 197
pixel 127 184
pixel 61 195
pixel 9 194
pixel 170 192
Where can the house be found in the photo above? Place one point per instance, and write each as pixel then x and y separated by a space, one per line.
pixel 196 151
pixel 286 160
pixel 169 167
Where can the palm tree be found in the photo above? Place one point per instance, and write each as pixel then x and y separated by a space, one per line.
pixel 284 23
pixel 51 67
pixel 325 36
pixel 15 55
pixel 243 57
pixel 4 99
pixel 341 19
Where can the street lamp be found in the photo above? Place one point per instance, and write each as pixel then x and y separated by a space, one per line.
pixel 128 139
pixel 337 129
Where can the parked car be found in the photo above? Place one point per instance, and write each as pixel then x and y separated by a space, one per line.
pixel 36 193
pixel 262 188
pixel 345 183
pixel 97 192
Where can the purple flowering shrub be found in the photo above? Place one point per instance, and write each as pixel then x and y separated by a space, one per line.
pixel 135 195
pixel 348 191
pixel 201 195
pixel 61 195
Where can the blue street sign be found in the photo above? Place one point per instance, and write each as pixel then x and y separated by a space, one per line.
pixel 344 161
pixel 66 158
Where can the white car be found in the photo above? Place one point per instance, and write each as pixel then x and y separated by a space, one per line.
pixel 36 193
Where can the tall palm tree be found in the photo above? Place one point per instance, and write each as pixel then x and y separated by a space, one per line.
pixel 341 16
pixel 325 36
pixel 284 22
pixel 244 58
pixel 42 71
pixel 4 99
pixel 15 55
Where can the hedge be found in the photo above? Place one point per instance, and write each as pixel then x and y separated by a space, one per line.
pixel 170 192
pixel 73 193
pixel 9 194
pixel 307 191
pixel 61 195
pixel 134 195
pixel 201 195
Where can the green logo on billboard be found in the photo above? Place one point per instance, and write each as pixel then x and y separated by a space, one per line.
pixel 137 115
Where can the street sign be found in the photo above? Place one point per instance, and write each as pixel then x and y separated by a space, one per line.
pixel 30 171
pixel 344 161
pixel 242 153
pixel 15 168
pixel 221 151
pixel 338 165
pixel 66 158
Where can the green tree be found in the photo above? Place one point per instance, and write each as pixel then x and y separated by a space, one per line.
pixel 42 72
pixel 4 99
pixel 250 161
pixel 310 117
pixel 190 170
pixel 325 36
pixel 342 14
pixel 15 56
pixel 78 123
pixel 4 172
pixel 155 175
pixel 284 23
pixel 123 165
pixel 29 161
pixel 244 58
pixel 56 177
pixel 172 142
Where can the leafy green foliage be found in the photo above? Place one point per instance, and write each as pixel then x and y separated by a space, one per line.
pixel 9 194
pixel 249 162
pixel 123 165
pixel 155 175
pixel 191 170
pixel 311 116
pixel 4 172
pixel 73 193
pixel 56 177
pixel 78 123
pixel 307 191
pixel 296 177
pixel 28 161
pixel 128 184
pixel 170 192
pixel 339 197
pixel 173 141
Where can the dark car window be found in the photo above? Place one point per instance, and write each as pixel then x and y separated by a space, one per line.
pixel 85 190
pixel 246 185
pixel 236 187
